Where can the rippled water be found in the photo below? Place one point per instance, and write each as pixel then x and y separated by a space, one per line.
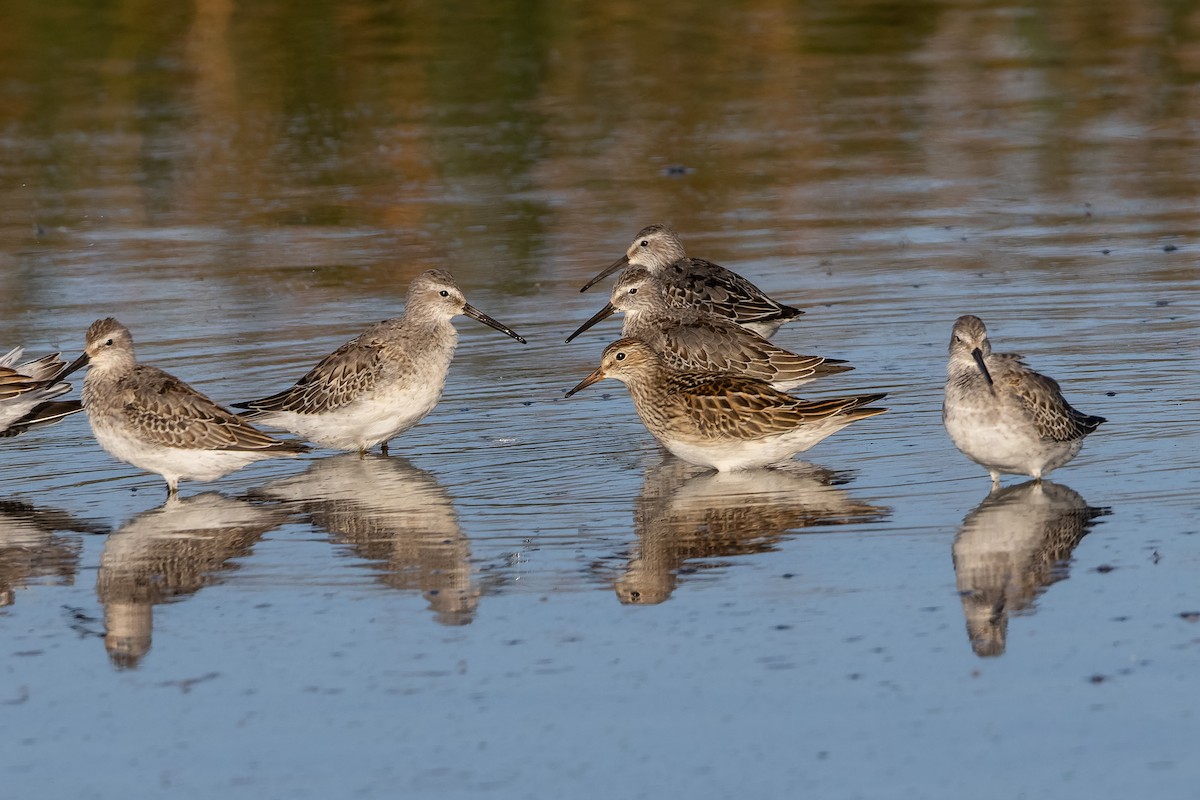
pixel 527 599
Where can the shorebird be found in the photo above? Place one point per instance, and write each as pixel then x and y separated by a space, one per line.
pixel 27 392
pixel 696 283
pixel 692 339
pixel 722 421
pixel 383 381
pixel 1003 415
pixel 151 419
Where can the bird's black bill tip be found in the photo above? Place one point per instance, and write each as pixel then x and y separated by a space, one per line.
pixel 474 313
pixel 598 375
pixel 607 311
pixel 82 361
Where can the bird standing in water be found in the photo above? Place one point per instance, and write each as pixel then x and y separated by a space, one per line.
pixel 1003 415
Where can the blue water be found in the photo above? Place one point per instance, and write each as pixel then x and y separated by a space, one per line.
pixel 528 599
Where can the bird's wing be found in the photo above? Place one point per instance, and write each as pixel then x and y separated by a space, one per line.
pixel 716 286
pixel 720 346
pixel 166 411
pixel 726 405
pixel 339 379
pixel 1042 397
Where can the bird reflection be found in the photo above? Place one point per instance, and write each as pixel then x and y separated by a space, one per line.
pixel 396 515
pixel 1015 544
pixel 169 553
pixel 685 514
pixel 32 547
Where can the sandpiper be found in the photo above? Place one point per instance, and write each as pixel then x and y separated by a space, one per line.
pixel 696 283
pixel 718 420
pixel 382 382
pixel 27 392
pixel 151 419
pixel 1003 415
pixel 692 339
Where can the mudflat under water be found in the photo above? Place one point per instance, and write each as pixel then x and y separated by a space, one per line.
pixel 528 599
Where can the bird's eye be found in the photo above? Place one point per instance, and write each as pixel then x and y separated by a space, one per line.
pixel 958 339
pixel 645 243
pixel 108 343
pixel 620 356
pixel 444 293
pixel 633 290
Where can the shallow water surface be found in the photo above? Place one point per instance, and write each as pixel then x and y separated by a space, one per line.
pixel 528 598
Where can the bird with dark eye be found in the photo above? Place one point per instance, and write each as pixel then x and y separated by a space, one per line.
pixel 1003 415
pixel 382 382
pixel 720 420
pixel 696 283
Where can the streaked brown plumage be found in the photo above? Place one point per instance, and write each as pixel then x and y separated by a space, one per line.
pixel 693 339
pixel 383 381
pixel 153 420
pixel 722 421
pixel 27 391
pixel 696 283
pixel 1003 415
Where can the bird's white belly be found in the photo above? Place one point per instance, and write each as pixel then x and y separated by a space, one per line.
pixel 173 463
pixel 735 454
pixel 998 442
pixel 366 422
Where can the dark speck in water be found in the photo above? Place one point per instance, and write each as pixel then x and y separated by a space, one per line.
pixel 1169 248
pixel 1104 569
pixel 1190 616
pixel 1110 394
pixel 1106 251
pixel 1162 303
pixel 1098 679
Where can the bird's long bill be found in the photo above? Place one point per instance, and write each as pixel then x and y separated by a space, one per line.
pixel 598 375
pixel 977 354
pixel 475 313
pixel 609 270
pixel 608 310
pixel 74 365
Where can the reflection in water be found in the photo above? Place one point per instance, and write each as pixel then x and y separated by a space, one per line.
pixel 392 513
pixel 30 547
pixel 685 513
pixel 168 553
pixel 1010 549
